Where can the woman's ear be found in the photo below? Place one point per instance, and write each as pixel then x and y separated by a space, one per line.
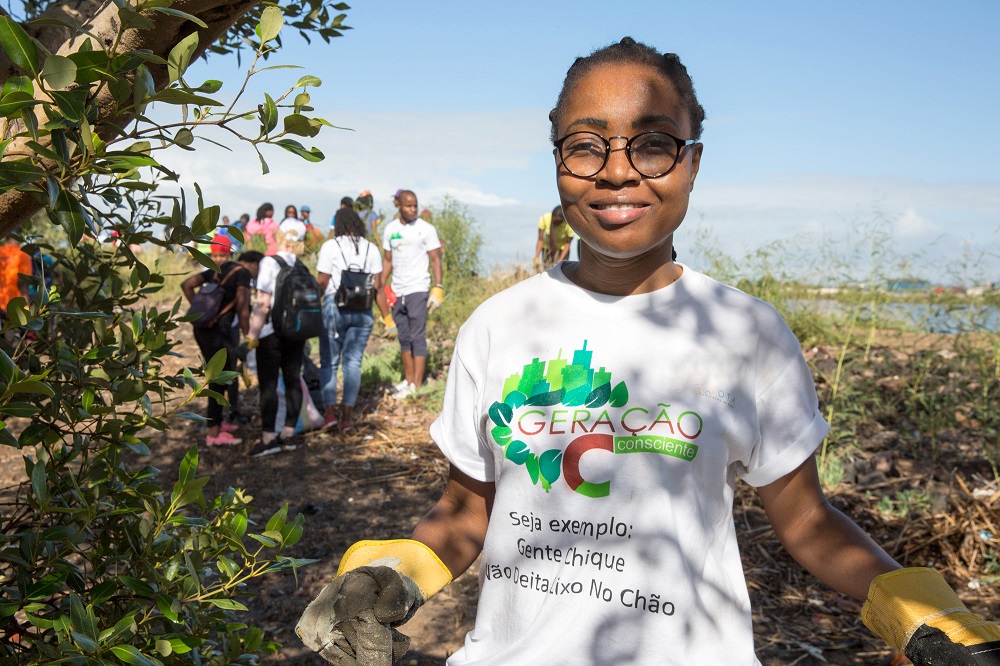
pixel 696 150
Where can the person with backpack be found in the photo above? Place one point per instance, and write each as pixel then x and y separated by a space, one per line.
pixel 349 271
pixel 220 298
pixel 286 314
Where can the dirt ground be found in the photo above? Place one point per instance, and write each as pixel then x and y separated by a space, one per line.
pixel 377 480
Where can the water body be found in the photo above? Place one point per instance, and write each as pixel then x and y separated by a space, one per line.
pixel 928 317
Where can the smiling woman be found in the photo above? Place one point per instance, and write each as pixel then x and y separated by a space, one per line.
pixel 645 330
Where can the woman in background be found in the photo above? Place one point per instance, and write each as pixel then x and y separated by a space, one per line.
pixel 345 332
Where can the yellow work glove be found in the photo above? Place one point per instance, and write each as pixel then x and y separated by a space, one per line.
pixel 251 343
pixel 379 585
pixel 435 298
pixel 915 611
pixel 390 327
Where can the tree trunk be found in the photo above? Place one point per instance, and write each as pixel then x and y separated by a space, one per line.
pixel 17 206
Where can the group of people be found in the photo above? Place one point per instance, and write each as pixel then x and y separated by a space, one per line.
pixel 403 278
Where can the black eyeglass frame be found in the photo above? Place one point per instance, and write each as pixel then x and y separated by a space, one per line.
pixel 681 144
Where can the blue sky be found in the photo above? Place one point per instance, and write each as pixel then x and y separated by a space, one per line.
pixel 822 118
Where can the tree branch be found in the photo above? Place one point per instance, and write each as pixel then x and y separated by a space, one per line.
pixel 16 206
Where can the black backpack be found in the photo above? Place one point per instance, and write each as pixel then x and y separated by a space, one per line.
pixel 297 313
pixel 357 288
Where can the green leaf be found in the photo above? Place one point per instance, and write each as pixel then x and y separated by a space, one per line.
pixel 142 88
pixel 277 521
pixel 19 172
pixel 131 655
pixel 18 84
pixel 293 532
pixel 619 395
pixel 14 102
pixel 531 464
pixel 296 123
pixel 58 72
pixel 292 146
pixel 211 86
pixel 550 465
pixel 517 452
pixel 71 103
pixel 31 386
pixel 38 485
pixel 501 434
pixel 269 111
pixel 180 56
pixel 21 409
pixel 177 96
pixel 308 80
pixel 189 466
pixel 227 604
pixel 164 648
pixel 69 213
pixel 271 20
pixel 206 220
pixel 202 258
pixel 7 366
pixel 17 312
pixel 501 413
pixel 18 45
pixel 169 607
pixel 598 397
pixel 214 367
pixel 184 15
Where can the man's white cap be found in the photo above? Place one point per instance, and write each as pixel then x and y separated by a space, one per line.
pixel 294 230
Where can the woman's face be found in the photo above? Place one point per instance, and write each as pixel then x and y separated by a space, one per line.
pixel 290 211
pixel 618 212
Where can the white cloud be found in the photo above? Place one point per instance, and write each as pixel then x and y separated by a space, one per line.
pixel 910 224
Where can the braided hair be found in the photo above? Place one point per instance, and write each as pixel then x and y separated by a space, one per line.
pixel 629 51
pixel 346 222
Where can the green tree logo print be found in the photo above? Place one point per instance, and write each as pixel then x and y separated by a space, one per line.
pixel 545 384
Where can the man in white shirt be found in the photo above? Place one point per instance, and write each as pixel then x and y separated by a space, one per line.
pixel 411 246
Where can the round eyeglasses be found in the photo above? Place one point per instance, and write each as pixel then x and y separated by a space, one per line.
pixel 652 154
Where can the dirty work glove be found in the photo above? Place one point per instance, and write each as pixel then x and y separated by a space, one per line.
pixel 379 585
pixel 435 298
pixel 251 343
pixel 915 611
pixel 536 264
pixel 390 327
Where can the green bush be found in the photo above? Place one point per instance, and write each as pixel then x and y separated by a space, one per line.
pixel 100 564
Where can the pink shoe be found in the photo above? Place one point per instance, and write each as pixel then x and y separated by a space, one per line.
pixel 223 439
pixel 329 422
pixel 229 427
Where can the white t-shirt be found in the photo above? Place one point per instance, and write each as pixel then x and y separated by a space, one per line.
pixel 267 278
pixel 336 251
pixel 409 244
pixel 615 429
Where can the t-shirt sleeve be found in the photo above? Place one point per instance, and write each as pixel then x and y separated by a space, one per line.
pixel 267 275
pixel 431 240
pixel 324 262
pixel 374 264
pixel 385 237
pixel 458 430
pixel 243 277
pixel 790 424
